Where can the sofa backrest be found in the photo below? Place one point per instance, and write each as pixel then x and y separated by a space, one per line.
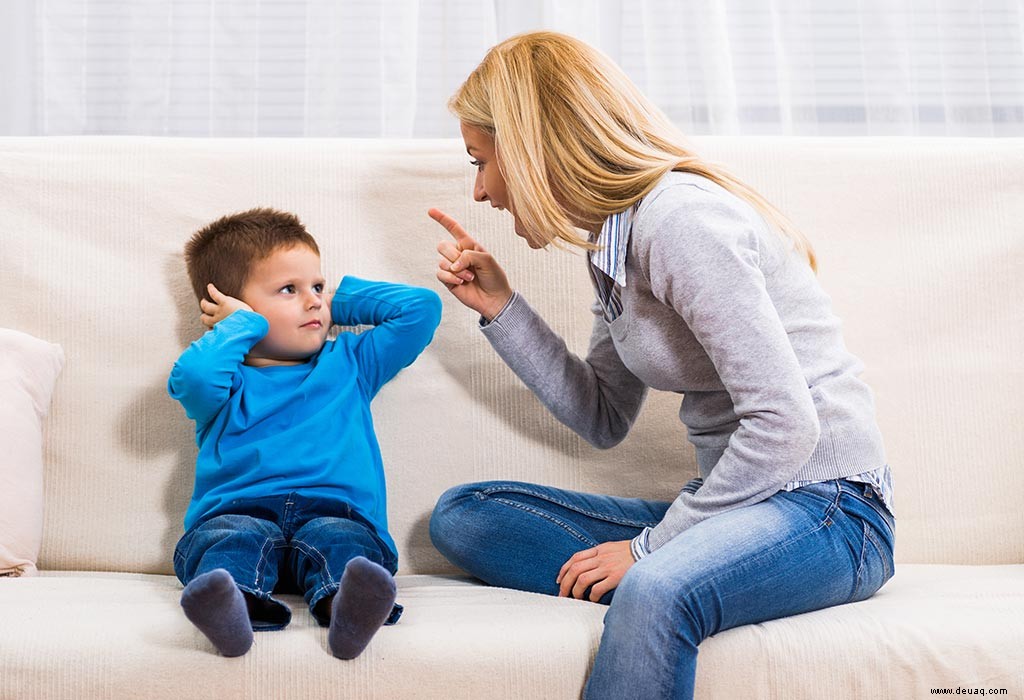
pixel 920 242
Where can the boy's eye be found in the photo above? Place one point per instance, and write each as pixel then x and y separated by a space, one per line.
pixel 288 289
pixel 318 288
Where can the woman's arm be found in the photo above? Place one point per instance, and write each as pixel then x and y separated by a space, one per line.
pixel 597 397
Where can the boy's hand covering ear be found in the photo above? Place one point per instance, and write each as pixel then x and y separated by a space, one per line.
pixel 220 308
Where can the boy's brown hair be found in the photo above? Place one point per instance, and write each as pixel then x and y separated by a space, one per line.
pixel 225 251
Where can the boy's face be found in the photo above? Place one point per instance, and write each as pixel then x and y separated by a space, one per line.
pixel 287 289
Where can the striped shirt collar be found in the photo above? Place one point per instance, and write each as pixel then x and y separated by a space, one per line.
pixel 614 237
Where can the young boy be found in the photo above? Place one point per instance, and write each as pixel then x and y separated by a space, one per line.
pixel 289 488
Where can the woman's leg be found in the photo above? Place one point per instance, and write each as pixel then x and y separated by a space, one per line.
pixel 798 551
pixel 518 535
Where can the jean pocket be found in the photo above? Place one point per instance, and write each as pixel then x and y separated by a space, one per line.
pixel 866 495
pixel 876 565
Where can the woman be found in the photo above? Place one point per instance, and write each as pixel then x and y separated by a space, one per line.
pixel 696 294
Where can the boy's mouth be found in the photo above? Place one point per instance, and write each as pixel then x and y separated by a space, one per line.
pixel 312 324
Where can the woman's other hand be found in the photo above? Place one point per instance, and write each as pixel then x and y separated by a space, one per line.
pixel 599 568
pixel 469 272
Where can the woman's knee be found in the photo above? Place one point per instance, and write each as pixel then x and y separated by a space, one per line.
pixel 464 521
pixel 659 601
pixel 645 586
pixel 448 520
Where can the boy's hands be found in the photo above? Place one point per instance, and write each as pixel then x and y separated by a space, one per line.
pixel 220 308
pixel 469 272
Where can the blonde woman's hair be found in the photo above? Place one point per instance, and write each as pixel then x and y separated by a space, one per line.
pixel 576 138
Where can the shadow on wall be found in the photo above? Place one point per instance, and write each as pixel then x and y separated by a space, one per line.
pixel 449 347
pixel 153 424
pixel 490 393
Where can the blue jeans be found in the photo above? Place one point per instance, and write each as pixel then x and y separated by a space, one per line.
pixel 284 544
pixel 821 545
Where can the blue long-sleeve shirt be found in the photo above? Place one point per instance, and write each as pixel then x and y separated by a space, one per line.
pixel 305 428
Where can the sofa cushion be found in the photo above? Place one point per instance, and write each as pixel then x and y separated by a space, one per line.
pixel 98 635
pixel 28 369
pixel 102 634
pixel 919 244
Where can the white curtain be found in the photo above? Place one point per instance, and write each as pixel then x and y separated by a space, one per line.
pixel 372 69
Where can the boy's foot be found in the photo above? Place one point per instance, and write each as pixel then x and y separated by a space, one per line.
pixel 361 605
pixel 213 603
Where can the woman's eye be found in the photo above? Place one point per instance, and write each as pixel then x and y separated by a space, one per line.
pixel 476 164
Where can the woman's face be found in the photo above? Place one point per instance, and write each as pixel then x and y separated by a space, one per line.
pixel 490 185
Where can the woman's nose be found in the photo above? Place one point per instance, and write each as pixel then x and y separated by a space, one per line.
pixel 479 193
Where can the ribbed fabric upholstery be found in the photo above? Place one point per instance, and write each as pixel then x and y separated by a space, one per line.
pixel 921 247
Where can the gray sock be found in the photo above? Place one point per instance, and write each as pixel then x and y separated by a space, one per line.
pixel 361 605
pixel 213 603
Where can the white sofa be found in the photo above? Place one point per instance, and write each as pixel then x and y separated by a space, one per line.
pixel 921 246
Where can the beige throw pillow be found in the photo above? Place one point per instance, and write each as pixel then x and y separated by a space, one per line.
pixel 28 371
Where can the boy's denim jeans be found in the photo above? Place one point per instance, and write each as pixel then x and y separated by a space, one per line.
pixel 820 545
pixel 285 544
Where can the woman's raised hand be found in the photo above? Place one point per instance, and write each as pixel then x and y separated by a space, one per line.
pixel 469 272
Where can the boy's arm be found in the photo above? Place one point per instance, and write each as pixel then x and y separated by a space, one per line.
pixel 204 375
pixel 404 318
